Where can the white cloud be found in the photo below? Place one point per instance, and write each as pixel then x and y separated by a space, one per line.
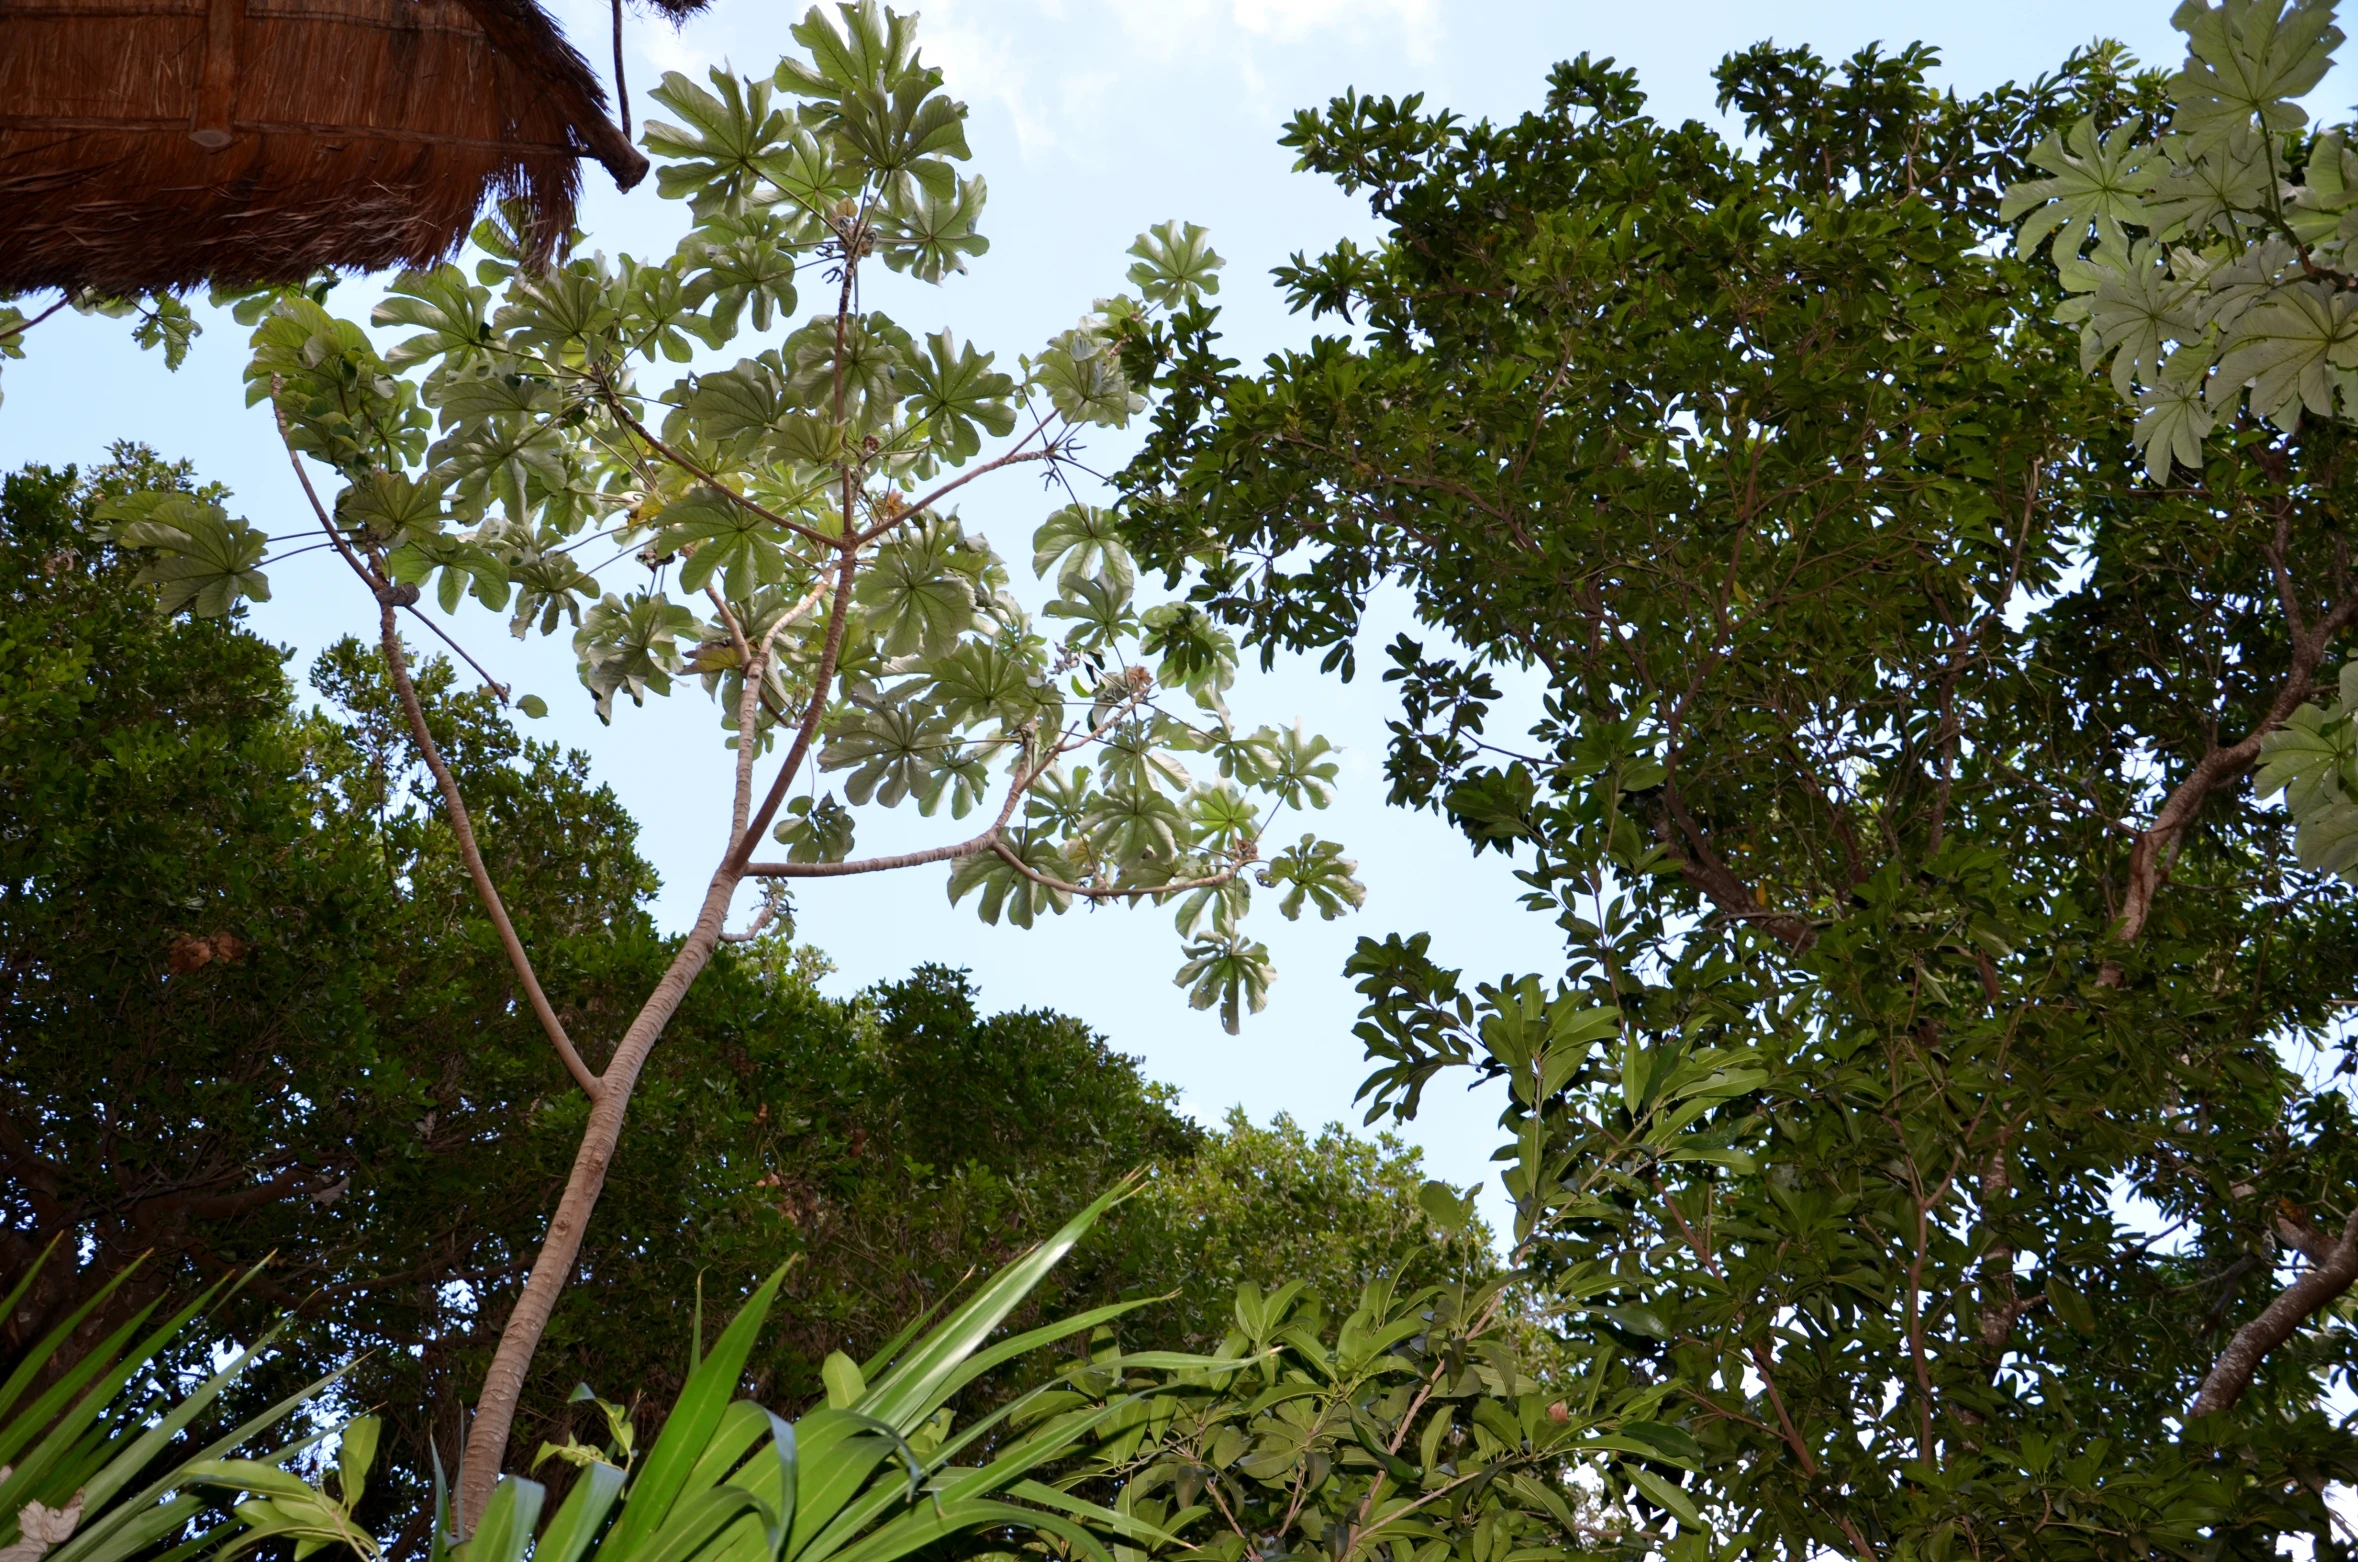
pixel 978 51
pixel 1417 22
pixel 1061 68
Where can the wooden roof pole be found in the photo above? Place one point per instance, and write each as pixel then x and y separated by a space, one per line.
pixel 225 22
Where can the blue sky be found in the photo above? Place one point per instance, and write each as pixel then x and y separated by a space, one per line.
pixel 1091 121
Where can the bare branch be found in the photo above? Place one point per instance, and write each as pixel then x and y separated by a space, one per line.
pixel 749 702
pixel 2157 844
pixel 1702 867
pixel 2328 1276
pixel 753 929
pixel 390 598
pixel 1016 788
pixel 921 504
pixel 455 806
pixel 2304 1238
pixel 22 326
pixel 838 870
pixel 830 657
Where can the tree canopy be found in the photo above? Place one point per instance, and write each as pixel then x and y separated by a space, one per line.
pixel 1940 1095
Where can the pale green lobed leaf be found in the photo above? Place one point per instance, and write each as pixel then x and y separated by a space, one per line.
pixel 2284 350
pixel 206 561
pixel 1005 892
pixel 1316 872
pixel 714 160
pixel 2246 60
pixel 2099 182
pixel 919 592
pixel 930 235
pixel 449 313
pixel 1079 541
pixel 631 645
pixel 1229 972
pixel 953 391
pixel 1176 264
pixel 2227 188
pixel 815 831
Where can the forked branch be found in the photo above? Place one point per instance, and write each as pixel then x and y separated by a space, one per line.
pixel 1112 891
pixel 2332 1268
pixel 2157 844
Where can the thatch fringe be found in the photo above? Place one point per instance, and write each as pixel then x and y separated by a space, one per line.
pixel 148 144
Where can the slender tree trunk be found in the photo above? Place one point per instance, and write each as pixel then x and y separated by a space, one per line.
pixel 503 1383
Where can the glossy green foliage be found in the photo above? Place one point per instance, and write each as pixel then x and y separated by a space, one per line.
pixel 1409 1427
pixel 1269 1207
pixel 163 321
pixel 1926 1094
pixel 182 944
pixel 882 1470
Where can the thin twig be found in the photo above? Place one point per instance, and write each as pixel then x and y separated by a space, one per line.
pixel 753 929
pixel 681 461
pixel 493 684
pixel 22 326
pixel 807 731
pixel 455 806
pixel 927 501
pixel 1759 1353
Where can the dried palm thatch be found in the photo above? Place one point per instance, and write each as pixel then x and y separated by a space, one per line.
pixel 152 144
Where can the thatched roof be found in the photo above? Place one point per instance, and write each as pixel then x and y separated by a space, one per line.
pixel 162 143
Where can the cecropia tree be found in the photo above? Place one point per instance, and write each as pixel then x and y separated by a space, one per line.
pixel 787 528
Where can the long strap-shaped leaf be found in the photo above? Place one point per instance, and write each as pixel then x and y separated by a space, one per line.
pixel 1024 1456
pixel 505 1532
pixel 40 1355
pixel 927 1525
pixel 742 1425
pixel 875 1365
pixel 915 1388
pixel 703 1517
pixel 585 1508
pixel 88 1543
pixel 72 1455
pixel 150 1526
pixel 1126 1524
pixel 695 1417
pixel 16 1292
pixel 127 1466
pixel 836 1453
pixel 773 1480
pixel 93 1381
pixel 1014 1409
pixel 1021 1344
